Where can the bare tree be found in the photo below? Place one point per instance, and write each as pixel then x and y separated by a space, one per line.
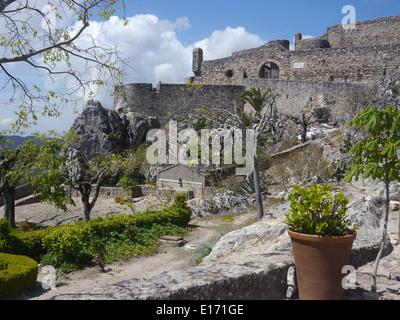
pixel 45 37
pixel 87 175
pixel 304 121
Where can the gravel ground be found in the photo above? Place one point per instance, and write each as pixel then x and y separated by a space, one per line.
pixel 47 215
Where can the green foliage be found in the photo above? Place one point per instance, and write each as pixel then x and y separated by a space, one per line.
pixel 377 156
pixel 256 97
pixel 4 228
pixel 54 50
pixel 127 182
pixel 72 246
pixel 37 162
pixel 17 273
pixel 314 211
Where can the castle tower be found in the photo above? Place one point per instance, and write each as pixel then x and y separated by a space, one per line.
pixel 197 60
pixel 298 36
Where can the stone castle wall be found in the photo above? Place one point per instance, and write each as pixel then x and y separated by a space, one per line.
pixel 343 99
pixel 324 64
pixel 367 33
pixel 336 70
pixel 173 99
pixel 340 55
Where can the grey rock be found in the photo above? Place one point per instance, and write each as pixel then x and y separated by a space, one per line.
pixel 105 131
pixel 291 276
pixel 371 295
pixel 382 89
pixel 365 212
pixel 227 201
pixel 394 287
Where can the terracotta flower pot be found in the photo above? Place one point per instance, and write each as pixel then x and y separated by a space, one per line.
pixel 319 262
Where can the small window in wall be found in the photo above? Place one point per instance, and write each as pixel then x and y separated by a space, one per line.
pixel 269 70
pixel 229 73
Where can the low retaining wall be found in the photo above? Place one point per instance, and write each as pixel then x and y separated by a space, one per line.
pixel 20 193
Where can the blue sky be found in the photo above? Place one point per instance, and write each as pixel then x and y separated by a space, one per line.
pixel 162 34
pixel 268 19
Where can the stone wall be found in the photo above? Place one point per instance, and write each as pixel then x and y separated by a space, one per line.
pixel 339 55
pixel 21 192
pixel 173 99
pixel 352 64
pixel 337 70
pixel 367 33
pixel 343 99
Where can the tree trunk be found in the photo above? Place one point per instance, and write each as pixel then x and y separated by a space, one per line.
pixel 257 187
pixel 382 246
pixel 9 204
pixel 85 190
pixel 86 211
pixel 304 134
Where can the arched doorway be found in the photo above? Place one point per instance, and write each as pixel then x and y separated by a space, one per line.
pixel 269 70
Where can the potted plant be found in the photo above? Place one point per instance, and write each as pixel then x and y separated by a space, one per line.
pixel 321 240
pixel 25 227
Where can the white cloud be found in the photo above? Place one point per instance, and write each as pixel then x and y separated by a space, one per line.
pixel 153 50
pixel 5 122
pixel 222 43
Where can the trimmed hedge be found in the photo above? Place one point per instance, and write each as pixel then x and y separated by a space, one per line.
pixel 75 242
pixel 17 274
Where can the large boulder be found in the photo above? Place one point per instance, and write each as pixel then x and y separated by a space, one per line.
pixel 101 130
pixel 105 131
pixel 223 202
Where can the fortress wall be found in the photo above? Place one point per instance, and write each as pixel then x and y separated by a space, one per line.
pixel 173 99
pixel 367 33
pixel 243 64
pixel 333 64
pixel 343 99
pixel 343 64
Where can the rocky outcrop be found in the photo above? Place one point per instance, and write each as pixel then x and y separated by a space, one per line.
pixel 386 90
pixel 223 202
pixel 105 131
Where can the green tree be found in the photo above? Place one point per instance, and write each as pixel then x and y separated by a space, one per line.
pixel 37 162
pixel 377 156
pixel 44 36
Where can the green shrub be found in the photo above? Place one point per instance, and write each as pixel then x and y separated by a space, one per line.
pixel 4 228
pixel 17 274
pixel 25 243
pixel 71 246
pixel 127 182
pixel 314 211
